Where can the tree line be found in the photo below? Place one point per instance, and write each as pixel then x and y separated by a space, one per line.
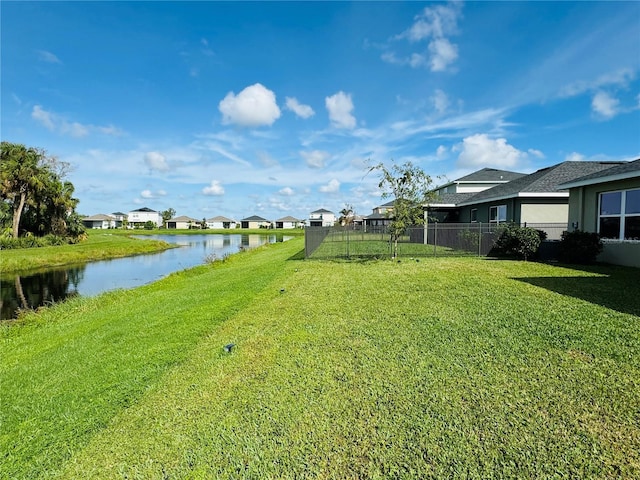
pixel 37 200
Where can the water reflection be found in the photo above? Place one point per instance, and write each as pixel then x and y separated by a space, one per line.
pixel 32 290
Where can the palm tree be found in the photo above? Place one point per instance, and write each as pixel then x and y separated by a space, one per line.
pixel 21 175
pixel 346 215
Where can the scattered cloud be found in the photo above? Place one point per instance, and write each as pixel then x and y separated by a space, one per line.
pixel 255 106
pixel 147 194
pixel 286 192
pixel 481 151
pixel 48 57
pixel 214 189
pixel 619 78
pixel 156 161
pixel 433 25
pixel 315 158
pixel 536 153
pixel 332 187
pixel 302 111
pixel 340 107
pixel 442 152
pixel 440 101
pixel 58 124
pixel 574 157
pixel 605 105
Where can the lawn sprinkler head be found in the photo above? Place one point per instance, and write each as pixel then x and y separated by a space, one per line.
pixel 227 348
pixel 282 290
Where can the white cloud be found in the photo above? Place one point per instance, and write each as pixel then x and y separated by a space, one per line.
pixel 56 123
pixel 481 151
pixel 605 105
pixel 443 53
pixel 48 57
pixel 156 161
pixel 440 101
pixel 214 189
pixel 149 194
pixel 332 187
pixel 286 192
pixel 442 152
pixel 255 106
pixel 315 158
pixel 574 157
pixel 619 78
pixel 44 117
pixel 302 111
pixel 340 107
pixel 434 24
pixel 536 153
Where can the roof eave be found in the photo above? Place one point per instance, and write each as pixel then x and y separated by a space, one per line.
pixel 604 179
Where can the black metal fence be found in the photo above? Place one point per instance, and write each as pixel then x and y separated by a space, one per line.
pixel 432 239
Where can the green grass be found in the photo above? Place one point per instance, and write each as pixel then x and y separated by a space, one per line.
pixel 443 368
pixel 98 246
pixel 375 245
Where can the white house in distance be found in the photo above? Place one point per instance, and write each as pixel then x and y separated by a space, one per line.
pixel 322 218
pixel 221 222
pixel 99 221
pixel 182 223
pixel 137 218
pixel 288 222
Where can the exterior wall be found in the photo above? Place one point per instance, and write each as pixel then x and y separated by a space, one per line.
pixel 583 215
pixel 544 213
pixel 583 202
pixel 621 253
pixel 144 217
pixel 285 225
pixel 221 225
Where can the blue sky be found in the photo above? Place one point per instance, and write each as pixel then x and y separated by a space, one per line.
pixel 275 109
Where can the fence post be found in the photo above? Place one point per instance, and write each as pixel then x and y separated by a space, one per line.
pixel 479 239
pixel 435 238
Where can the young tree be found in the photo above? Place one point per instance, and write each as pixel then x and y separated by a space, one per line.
pixel 167 215
pixel 411 189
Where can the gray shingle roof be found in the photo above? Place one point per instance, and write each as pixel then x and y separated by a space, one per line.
pixel 545 180
pixel 220 218
pixel 322 210
pixel 98 217
pixel 254 218
pixel 287 219
pixel 490 175
pixel 450 198
pixel 183 218
pixel 624 170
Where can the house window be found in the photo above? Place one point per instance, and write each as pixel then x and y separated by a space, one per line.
pixel 498 214
pixel 619 215
pixel 474 215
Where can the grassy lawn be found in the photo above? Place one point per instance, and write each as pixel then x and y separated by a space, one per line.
pixel 443 368
pixel 98 246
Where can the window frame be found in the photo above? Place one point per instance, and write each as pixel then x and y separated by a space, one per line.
pixel 497 210
pixel 474 215
pixel 622 216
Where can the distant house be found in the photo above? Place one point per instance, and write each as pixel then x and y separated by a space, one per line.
pixel 182 223
pixel 608 202
pixel 322 218
pixel 99 221
pixel 381 217
pixel 444 206
pixel 221 222
pixel 120 217
pixel 288 222
pixel 255 222
pixel 138 218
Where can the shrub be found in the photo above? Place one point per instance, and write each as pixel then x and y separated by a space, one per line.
pixel 579 247
pixel 521 242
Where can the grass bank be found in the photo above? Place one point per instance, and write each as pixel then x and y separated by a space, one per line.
pixel 98 246
pixel 444 368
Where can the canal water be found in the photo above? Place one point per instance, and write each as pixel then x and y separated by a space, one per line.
pixel 32 290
